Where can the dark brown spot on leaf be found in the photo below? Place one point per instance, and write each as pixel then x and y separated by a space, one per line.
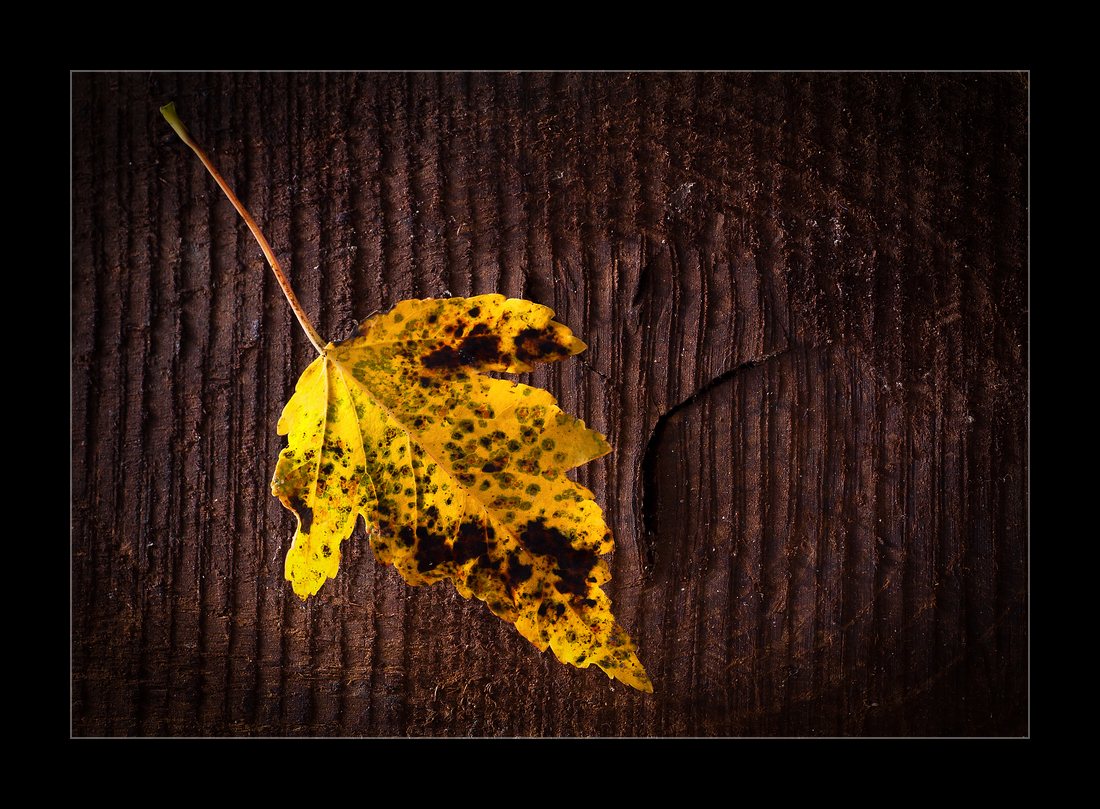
pixel 442 357
pixel 431 550
pixel 476 349
pixel 533 344
pixel 471 543
pixel 479 349
pixel 573 565
pixel 518 572
pixel 304 512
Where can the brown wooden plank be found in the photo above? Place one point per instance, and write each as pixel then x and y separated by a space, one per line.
pixel 805 302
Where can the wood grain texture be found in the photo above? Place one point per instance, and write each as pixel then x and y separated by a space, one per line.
pixel 805 303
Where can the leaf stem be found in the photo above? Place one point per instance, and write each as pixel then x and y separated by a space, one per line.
pixel 169 113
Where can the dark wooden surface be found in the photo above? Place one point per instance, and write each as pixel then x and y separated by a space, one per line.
pixel 805 300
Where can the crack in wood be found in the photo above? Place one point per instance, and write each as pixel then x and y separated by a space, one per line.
pixel 649 459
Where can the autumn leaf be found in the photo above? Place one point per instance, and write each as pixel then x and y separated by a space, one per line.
pixel 457 475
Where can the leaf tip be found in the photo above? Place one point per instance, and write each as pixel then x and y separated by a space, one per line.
pixel 630 671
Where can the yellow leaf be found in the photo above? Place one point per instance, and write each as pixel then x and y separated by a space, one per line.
pixel 457 475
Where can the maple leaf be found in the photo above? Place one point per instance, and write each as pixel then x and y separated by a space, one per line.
pixel 457 475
